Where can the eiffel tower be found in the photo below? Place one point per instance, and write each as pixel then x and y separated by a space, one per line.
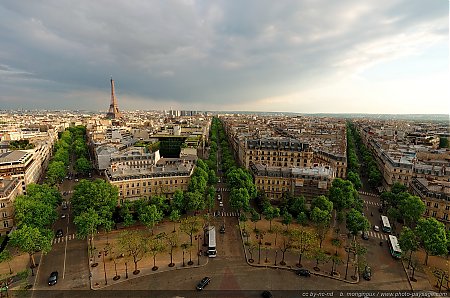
pixel 113 112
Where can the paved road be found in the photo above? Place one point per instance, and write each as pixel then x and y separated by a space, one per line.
pixel 68 255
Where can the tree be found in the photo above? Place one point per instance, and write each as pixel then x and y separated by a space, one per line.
pixel 432 237
pixel 354 179
pixel 190 225
pixel 44 193
pixel 322 203
pixel 302 218
pixel 155 246
pixel 149 215
pixel 87 224
pixel 32 240
pixel 172 241
pixel 321 219
pixel 126 214
pixel 255 217
pixel 135 244
pixel 342 194
pixel 98 195
pixel 174 217
pixel 33 213
pixel 178 201
pixel 270 213
pixel 56 171
pixel 411 209
pixel 356 222
pixel 296 206
pixel 239 199
pixel 287 220
pixel 303 241
pixel 194 201
pixel 320 256
pixel 443 142
pixel 285 246
pixel 5 256
pixel 408 242
pixel 83 165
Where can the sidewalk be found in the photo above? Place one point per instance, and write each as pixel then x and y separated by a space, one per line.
pixel 267 255
pixel 124 266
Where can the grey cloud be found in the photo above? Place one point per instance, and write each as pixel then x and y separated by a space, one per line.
pixel 207 51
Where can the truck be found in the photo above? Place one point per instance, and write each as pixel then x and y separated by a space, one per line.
pixel 212 242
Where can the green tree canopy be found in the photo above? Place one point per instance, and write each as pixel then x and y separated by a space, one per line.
pixel 33 213
pixel 83 165
pixel 32 240
pixel 356 222
pixel 323 203
pixel 433 238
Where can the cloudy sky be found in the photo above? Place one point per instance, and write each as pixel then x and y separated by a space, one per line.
pixel 310 56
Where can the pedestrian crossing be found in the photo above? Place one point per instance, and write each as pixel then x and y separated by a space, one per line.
pixel 63 239
pixel 372 203
pixel 378 235
pixel 367 193
pixel 226 214
pixel 222 189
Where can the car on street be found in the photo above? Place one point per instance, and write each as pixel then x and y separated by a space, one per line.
pixel 76 180
pixel 266 294
pixel 222 230
pixel 59 233
pixel 376 228
pixel 303 272
pixel 53 278
pixel 365 235
pixel 367 274
pixel 221 204
pixel 63 216
pixel 203 283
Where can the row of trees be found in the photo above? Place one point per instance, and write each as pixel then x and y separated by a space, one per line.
pixel 353 165
pixel 34 215
pixel 429 234
pixel 370 168
pixel 80 150
pixel 137 244
pixel 402 206
pixel 57 168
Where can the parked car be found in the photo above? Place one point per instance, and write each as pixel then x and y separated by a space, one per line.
pixel 64 205
pixel 53 279
pixel 303 272
pixel 365 235
pixel 376 228
pixel 266 294
pixel 63 216
pixel 367 274
pixel 59 233
pixel 203 283
pixel 221 204
pixel 222 230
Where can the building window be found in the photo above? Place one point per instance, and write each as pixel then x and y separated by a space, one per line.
pixel 5 224
pixel 2 205
pixel 428 204
pixel 436 205
pixel 5 214
pixel 434 214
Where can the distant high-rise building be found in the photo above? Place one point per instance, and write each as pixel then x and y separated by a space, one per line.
pixel 113 112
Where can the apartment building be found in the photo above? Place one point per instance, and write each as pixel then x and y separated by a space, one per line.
pixel 436 196
pixel 10 188
pixel 299 181
pixel 136 178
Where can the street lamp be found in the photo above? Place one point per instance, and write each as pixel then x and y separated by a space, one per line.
pixel 198 238
pixel 276 255
pixel 104 253
pixel 348 249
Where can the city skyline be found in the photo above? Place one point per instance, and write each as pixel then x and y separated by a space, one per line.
pixel 384 57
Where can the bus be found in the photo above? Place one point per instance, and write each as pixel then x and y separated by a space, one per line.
pixel 394 248
pixel 212 242
pixel 385 225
